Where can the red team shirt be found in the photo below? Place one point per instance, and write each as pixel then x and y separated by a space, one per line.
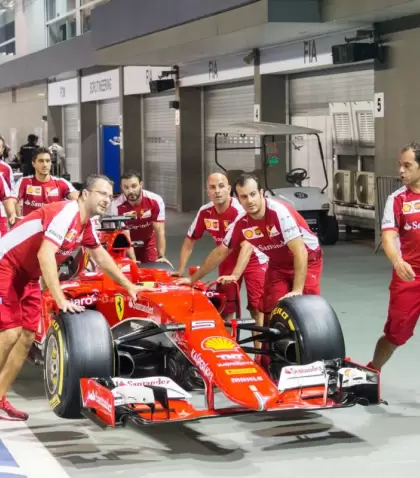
pixel 151 209
pixel 7 173
pixel 208 219
pixel 59 223
pixel 33 194
pixel 402 214
pixel 269 235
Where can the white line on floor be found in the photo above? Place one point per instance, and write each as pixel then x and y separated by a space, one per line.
pixel 34 460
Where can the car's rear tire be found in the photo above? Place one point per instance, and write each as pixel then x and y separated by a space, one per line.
pixel 328 230
pixel 311 326
pixel 77 346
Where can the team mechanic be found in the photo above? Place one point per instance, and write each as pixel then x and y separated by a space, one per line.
pixel 401 223
pixel 215 218
pixel 34 192
pixel 7 173
pixel 280 232
pixel 148 225
pixel 35 246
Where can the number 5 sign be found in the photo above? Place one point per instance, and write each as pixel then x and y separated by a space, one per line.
pixel 379 105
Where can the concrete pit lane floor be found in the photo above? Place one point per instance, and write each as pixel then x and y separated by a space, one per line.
pixel 359 441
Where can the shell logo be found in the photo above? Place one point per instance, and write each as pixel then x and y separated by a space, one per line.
pixel 219 344
pixel 406 207
pixel 207 223
pixel 248 234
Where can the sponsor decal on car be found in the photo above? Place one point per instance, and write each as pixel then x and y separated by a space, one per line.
pixel 241 371
pixel 301 376
pixel 235 364
pixel 119 306
pixel 201 364
pixel 94 397
pixel 85 301
pixel 141 307
pixel 219 344
pixel 203 324
pixel 246 379
pixel 230 356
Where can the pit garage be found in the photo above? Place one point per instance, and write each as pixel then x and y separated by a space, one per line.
pixel 354 441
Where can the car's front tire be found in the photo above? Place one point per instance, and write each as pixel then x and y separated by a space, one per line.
pixel 77 346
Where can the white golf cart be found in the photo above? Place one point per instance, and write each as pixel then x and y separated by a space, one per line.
pixel 311 202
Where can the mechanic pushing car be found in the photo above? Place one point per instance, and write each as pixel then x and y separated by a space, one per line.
pixel 7 174
pixel 215 218
pixel 280 232
pixel 148 224
pixel 37 245
pixel 33 192
pixel 401 241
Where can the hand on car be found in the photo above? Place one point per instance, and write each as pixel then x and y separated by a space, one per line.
pixel 183 281
pixel 227 279
pixel 291 294
pixel 69 306
pixel 165 260
pixel 178 273
pixel 404 271
pixel 135 289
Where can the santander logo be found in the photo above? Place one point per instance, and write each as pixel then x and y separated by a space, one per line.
pixel 304 370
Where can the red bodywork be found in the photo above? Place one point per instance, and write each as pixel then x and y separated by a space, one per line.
pixel 205 341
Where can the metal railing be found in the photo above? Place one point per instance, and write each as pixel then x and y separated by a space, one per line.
pixel 385 185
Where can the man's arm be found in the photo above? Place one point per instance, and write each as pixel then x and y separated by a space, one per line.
pixel 49 270
pixel 389 243
pixel 216 257
pixel 73 195
pixel 300 263
pixel 159 228
pixel 130 252
pixel 184 256
pixel 108 265
pixel 244 256
pixel 11 208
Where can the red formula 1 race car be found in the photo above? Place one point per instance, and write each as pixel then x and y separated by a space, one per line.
pixel 140 360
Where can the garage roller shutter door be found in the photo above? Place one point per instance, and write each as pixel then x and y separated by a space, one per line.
pixel 71 141
pixel 222 106
pixel 312 93
pixel 109 112
pixel 160 148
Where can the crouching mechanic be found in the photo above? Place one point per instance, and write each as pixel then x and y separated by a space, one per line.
pixel 37 245
pixel 401 243
pixel 215 218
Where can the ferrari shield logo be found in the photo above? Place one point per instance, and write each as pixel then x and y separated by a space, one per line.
pixel 119 306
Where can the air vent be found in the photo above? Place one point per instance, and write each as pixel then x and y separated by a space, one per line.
pixel 366 128
pixel 342 128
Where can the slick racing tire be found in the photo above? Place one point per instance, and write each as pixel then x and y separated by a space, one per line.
pixel 328 230
pixel 77 346
pixel 310 330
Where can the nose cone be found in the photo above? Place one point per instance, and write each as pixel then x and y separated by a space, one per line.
pixel 239 378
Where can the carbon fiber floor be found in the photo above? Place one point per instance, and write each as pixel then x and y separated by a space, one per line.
pixel 354 442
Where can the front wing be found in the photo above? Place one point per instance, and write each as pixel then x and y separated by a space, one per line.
pixel 111 402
